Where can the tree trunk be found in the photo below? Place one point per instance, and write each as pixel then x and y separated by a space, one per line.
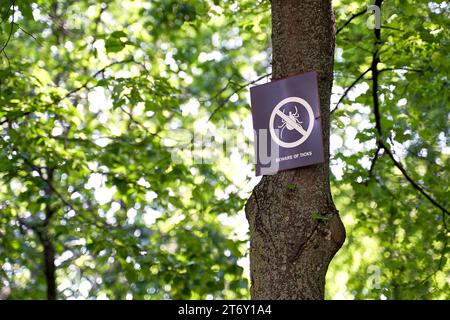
pixel 296 231
pixel 49 264
pixel 50 270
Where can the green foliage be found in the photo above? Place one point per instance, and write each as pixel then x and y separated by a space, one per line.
pixel 89 100
pixel 91 95
pixel 397 241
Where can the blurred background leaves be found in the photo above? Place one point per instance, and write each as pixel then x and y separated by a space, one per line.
pixel 92 95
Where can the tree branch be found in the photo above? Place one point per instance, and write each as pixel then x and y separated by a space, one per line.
pixel 400 69
pixel 8 61
pixel 344 95
pixel 350 20
pixel 391 28
pixel 42 233
pixel 85 84
pixel 75 90
pixel 372 165
pixel 28 33
pixel 7 12
pixel 410 180
pixel 138 123
pixel 376 110
pixel 238 89
pixel 49 263
pixel 12 28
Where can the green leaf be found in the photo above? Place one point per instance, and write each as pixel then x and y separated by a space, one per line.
pixel 114 45
pixel 118 34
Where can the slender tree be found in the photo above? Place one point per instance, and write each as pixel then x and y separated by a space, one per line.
pixel 296 231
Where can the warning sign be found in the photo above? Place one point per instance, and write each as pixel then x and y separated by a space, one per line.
pixel 287 124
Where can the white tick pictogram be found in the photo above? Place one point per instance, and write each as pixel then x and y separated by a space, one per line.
pixel 291 121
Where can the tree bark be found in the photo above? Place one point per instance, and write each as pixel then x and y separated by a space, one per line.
pixel 48 264
pixel 50 270
pixel 296 231
pixel 44 237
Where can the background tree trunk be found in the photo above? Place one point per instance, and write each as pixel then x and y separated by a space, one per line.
pixel 291 247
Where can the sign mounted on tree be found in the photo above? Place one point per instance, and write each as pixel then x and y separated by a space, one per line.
pixel 287 124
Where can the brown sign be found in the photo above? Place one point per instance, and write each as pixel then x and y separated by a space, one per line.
pixel 287 124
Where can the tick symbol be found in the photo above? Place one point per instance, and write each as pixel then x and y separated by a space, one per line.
pixel 291 122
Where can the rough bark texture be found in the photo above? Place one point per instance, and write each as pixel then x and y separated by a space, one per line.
pixel 290 247
pixel 48 263
pixel 50 270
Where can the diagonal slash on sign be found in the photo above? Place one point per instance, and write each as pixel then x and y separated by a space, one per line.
pixel 291 122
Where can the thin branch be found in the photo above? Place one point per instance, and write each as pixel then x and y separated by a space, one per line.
pixel 441 259
pixel 8 120
pixel 410 180
pixel 400 69
pixel 218 93
pixel 372 165
pixel 444 249
pixel 97 21
pixel 85 84
pixel 392 28
pixel 138 123
pixel 28 33
pixel 377 114
pixel 75 90
pixel 23 223
pixel 350 20
pixel 238 89
pixel 349 88
pixel 47 180
pixel 7 12
pixel 8 61
pixel 11 30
